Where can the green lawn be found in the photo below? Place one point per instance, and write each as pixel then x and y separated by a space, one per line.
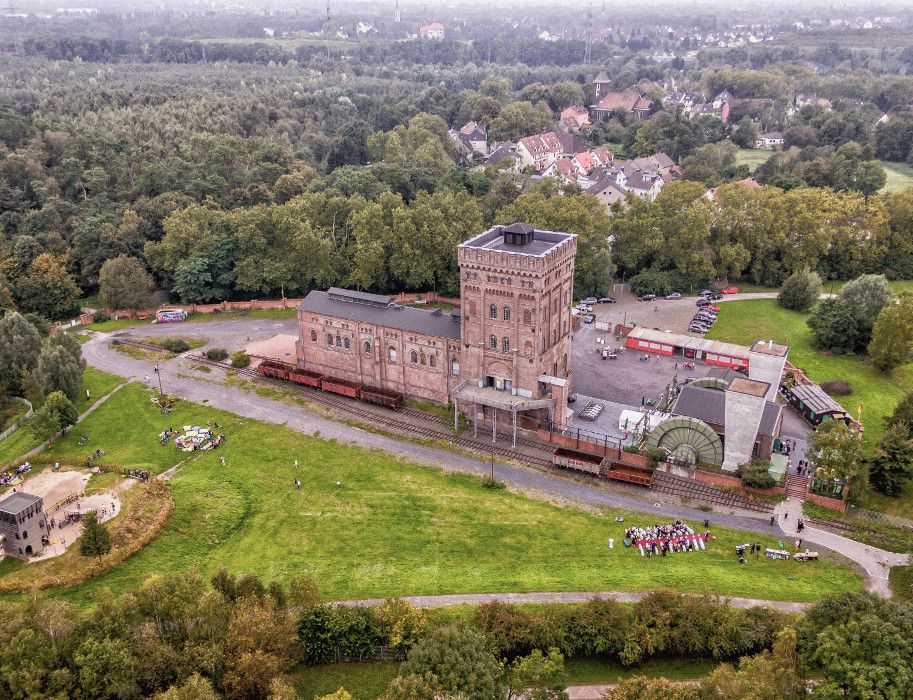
pixel 368 680
pixel 751 157
pixel 393 528
pixel 120 324
pixel 747 321
pixel 900 176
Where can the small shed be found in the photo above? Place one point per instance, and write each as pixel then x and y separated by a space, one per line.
pixel 815 405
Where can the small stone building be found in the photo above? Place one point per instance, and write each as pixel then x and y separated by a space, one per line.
pixel 22 523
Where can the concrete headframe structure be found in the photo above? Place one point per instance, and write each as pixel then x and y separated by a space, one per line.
pixel 766 361
pixel 745 399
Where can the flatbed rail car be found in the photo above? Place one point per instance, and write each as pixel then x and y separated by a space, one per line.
pixel 277 370
pixel 579 461
pixel 382 397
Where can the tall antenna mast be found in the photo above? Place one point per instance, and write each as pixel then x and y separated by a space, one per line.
pixel 588 51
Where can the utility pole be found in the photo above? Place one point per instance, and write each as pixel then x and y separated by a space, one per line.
pixel 159 375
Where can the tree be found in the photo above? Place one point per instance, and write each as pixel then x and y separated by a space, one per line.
pixel 838 454
pixel 58 370
pixel 56 414
pixel 834 327
pixel 745 134
pixel 538 677
pixel 892 336
pixel 106 669
pixel 460 662
pixel 800 291
pixel 865 297
pixel 95 540
pixel 869 177
pixel 772 675
pixel 903 413
pixel 519 119
pixel 48 289
pixel 891 465
pixel 124 283
pixel 20 346
pixel 643 688
pixel 194 688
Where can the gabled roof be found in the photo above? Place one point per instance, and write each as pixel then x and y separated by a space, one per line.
pixel 542 143
pixel 586 160
pixel 618 100
pixel 815 398
pixel 602 77
pixel 604 183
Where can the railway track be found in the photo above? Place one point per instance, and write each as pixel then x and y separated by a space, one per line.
pixel 410 421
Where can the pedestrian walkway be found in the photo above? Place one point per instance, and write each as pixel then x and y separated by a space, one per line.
pixel 876 562
pixel 441 601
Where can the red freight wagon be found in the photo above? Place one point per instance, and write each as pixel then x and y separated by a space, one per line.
pixel 631 475
pixel 271 368
pixel 572 459
pixel 306 377
pixel 340 386
pixel 382 397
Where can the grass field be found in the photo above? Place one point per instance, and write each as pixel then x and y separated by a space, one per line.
pixel 746 321
pixel 120 324
pixel 368 680
pixel 393 528
pixel 900 176
pixel 751 157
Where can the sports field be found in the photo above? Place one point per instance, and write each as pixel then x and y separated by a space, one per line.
pixel 391 528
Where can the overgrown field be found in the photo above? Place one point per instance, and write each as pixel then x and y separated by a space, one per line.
pixel 391 528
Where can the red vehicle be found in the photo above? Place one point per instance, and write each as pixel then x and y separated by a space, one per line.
pixel 713 308
pixel 731 290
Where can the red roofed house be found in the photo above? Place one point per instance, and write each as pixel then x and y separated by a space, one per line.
pixel 575 117
pixel 563 168
pixel 629 102
pixel 584 162
pixel 435 30
pixel 539 151
pixel 603 156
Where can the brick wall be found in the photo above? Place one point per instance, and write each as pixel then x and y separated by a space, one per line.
pixel 825 502
pixel 729 482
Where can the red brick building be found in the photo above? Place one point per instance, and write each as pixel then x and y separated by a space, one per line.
pixel 504 352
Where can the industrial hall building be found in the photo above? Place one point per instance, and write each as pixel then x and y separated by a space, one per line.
pixel 504 351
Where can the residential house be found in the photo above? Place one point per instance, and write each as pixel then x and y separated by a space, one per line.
pixel 508 149
pixel 711 110
pixel 472 140
pixel 772 140
pixel 632 103
pixel 570 143
pixel 575 117
pixel 435 30
pixel 606 190
pixel 538 151
pixel 585 162
pixel 604 157
pixel 562 168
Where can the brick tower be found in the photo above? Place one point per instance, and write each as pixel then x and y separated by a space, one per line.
pixel 516 288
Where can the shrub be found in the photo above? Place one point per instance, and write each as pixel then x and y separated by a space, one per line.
pixel 217 354
pixel 175 345
pixel 756 474
pixel 837 387
pixel 240 359
pixel 800 291
pixel 651 282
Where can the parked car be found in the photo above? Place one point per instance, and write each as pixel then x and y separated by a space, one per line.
pixel 707 293
pixel 589 318
pixel 591 300
pixel 715 297
pixel 709 320
pixel 731 290
pixel 698 329
pixel 674 295
pixel 703 302
pixel 701 322
pixel 608 300
pixel 647 297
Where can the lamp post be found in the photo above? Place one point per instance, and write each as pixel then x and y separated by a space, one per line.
pixel 159 375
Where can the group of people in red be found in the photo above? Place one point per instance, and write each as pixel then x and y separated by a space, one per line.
pixel 660 540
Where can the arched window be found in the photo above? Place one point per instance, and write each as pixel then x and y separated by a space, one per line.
pixel 505 344
pixel 414 357
pixel 527 316
pixel 367 348
pixel 493 311
pixel 528 348
pixel 345 342
pixel 422 358
pixel 506 313
pixel 432 360
pixel 493 342
pixel 392 354
pixel 313 336
pixel 329 340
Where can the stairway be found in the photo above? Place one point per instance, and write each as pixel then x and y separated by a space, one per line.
pixel 796 486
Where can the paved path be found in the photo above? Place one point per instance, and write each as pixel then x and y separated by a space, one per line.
pixel 876 562
pixel 441 601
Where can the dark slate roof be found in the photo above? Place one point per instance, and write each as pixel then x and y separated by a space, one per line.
pixel 816 399
pixel 17 502
pixel 542 242
pixel 709 405
pixel 380 310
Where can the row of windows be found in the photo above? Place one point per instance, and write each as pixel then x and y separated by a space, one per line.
pixel 493 343
pixel 417 358
pixel 420 358
pixel 493 312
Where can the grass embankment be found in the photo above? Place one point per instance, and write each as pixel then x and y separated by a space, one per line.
pixel 368 680
pixel 22 440
pixel 880 534
pixel 122 323
pixel 145 510
pixel 393 527
pixel 900 176
pixel 746 321
pixel 901 582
